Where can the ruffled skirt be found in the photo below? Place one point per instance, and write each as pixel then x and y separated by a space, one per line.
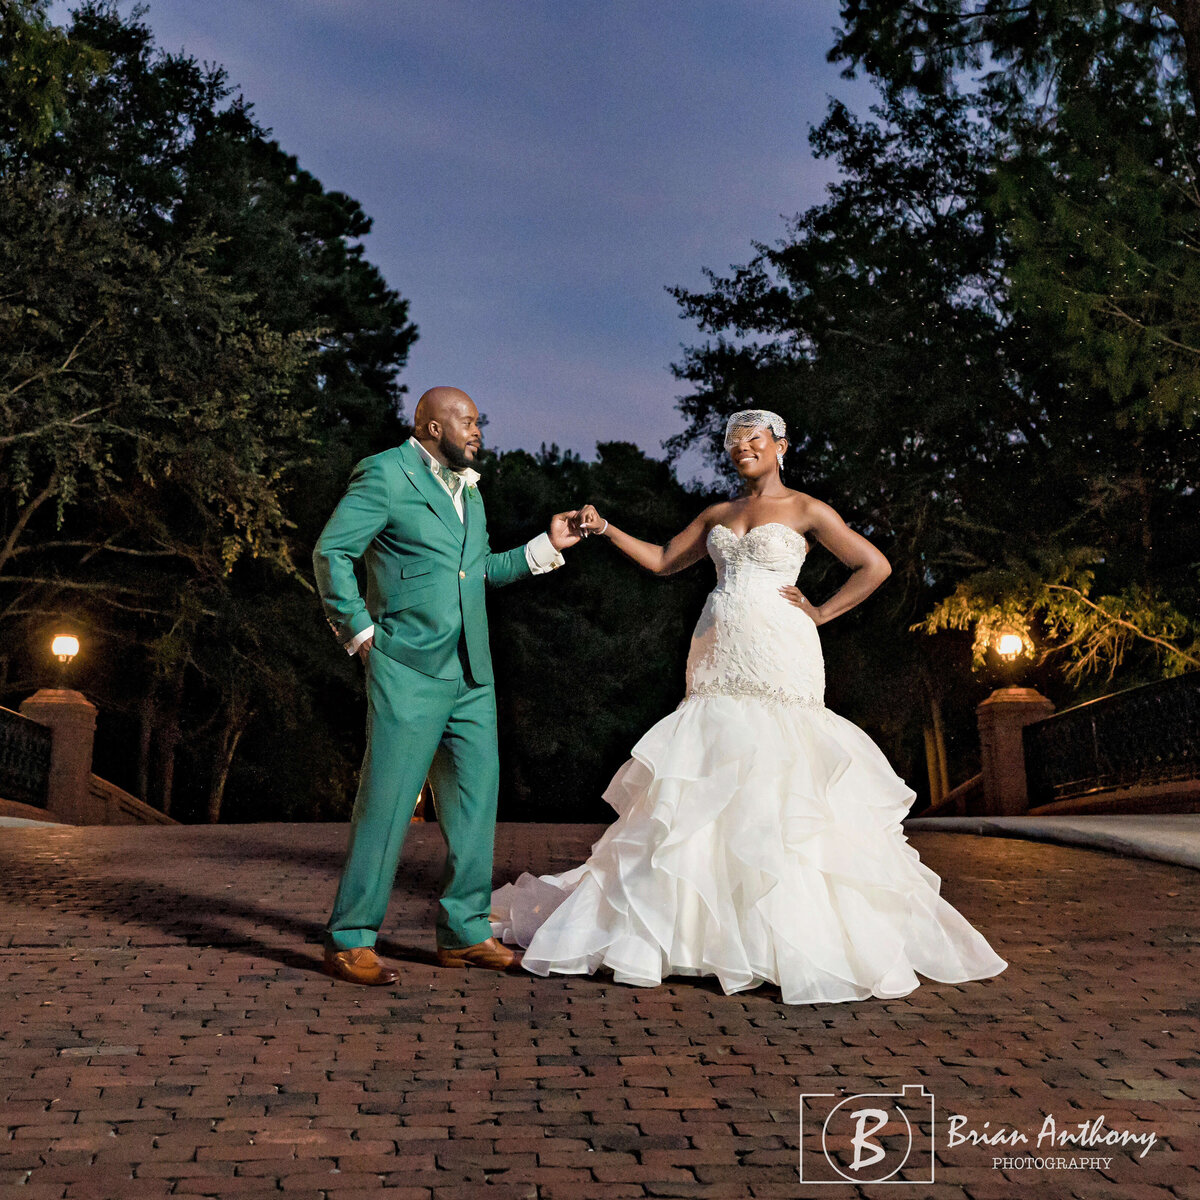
pixel 754 842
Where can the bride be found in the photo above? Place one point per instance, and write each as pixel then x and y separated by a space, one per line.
pixel 758 834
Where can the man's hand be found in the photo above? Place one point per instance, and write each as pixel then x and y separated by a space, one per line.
pixel 364 651
pixel 563 530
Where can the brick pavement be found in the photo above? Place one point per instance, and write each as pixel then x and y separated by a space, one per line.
pixel 163 1031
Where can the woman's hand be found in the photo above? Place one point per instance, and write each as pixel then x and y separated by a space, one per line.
pixel 588 520
pixel 793 595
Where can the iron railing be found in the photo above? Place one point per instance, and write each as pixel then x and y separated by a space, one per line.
pixel 24 759
pixel 1145 735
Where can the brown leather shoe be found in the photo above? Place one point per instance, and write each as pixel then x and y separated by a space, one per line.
pixel 492 955
pixel 359 965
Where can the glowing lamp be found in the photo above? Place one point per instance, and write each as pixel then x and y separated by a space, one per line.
pixel 1009 646
pixel 64 647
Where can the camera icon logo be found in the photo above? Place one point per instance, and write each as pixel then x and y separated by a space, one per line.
pixel 867 1137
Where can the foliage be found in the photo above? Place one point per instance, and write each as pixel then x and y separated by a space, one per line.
pixel 1103 216
pixel 197 348
pixel 181 152
pixel 1090 632
pixel 133 368
pixel 1015 53
pixel 873 332
pixel 39 66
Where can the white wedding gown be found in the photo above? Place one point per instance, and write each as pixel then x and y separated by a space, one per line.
pixel 758 834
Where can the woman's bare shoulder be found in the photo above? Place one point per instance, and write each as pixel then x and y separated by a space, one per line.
pixel 807 512
pixel 807 506
pixel 714 514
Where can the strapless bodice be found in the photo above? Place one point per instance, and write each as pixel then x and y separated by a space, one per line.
pixel 767 554
pixel 750 641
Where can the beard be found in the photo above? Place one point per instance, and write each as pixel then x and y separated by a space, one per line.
pixel 455 455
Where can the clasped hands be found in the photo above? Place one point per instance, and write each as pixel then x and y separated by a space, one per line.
pixel 568 528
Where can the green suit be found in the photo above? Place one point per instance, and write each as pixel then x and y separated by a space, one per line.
pixel 431 706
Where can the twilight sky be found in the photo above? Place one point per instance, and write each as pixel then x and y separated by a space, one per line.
pixel 539 172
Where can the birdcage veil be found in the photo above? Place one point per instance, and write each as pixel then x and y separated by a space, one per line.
pixel 742 423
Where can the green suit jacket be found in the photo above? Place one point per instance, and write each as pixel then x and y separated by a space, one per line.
pixel 426 569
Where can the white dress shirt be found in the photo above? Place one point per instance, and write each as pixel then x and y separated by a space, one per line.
pixel 540 553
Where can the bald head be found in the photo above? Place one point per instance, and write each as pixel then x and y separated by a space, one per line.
pixel 446 423
pixel 436 404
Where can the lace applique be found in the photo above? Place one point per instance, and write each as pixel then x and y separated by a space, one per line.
pixel 750 641
pixel 772 533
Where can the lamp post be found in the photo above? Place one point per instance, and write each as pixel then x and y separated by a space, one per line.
pixel 64 647
pixel 1002 717
pixel 72 721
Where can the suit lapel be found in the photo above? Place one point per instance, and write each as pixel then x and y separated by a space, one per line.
pixel 435 495
pixel 473 508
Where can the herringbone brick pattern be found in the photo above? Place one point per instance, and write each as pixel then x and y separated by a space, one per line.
pixel 164 1032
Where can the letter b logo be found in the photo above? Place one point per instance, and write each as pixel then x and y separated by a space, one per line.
pixel 867 1138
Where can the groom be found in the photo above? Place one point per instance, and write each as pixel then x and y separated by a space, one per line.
pixel 416 516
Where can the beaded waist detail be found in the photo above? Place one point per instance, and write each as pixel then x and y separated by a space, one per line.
pixel 753 688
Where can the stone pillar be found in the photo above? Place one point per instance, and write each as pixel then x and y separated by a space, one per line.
pixel 1001 717
pixel 72 721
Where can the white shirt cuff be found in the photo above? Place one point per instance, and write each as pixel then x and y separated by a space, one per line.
pixel 541 555
pixel 357 640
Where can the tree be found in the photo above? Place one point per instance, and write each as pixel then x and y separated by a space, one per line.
pixel 39 65
pixel 145 426
pixel 133 369
pixel 1094 106
pixel 1089 633
pixel 182 153
pixel 1028 51
pixel 982 340
pixel 200 349
pixel 1094 103
pixel 876 318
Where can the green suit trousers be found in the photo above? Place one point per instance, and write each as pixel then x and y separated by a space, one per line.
pixel 420 726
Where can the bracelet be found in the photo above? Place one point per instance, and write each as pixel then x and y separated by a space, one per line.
pixel 602 532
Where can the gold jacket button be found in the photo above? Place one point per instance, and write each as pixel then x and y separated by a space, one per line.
pixel 462 574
